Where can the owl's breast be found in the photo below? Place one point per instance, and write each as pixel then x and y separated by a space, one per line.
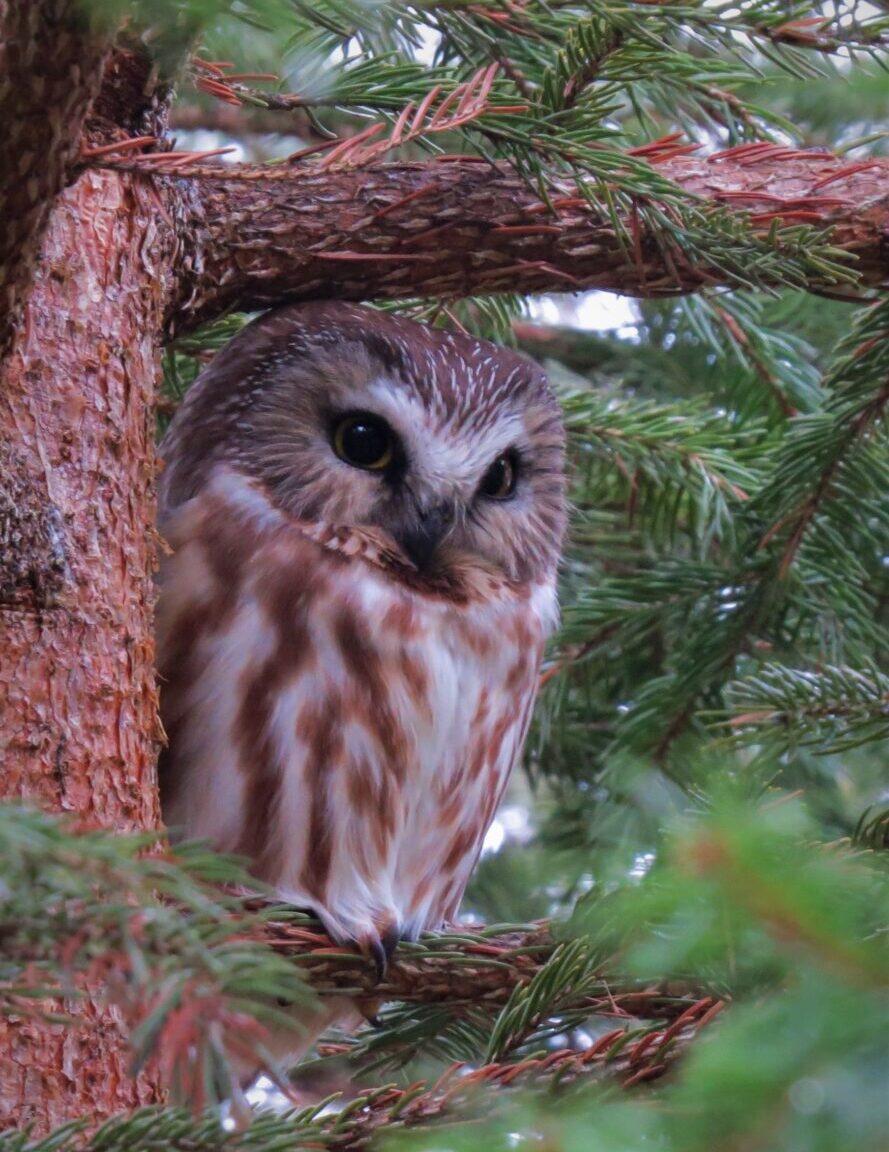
pixel 351 736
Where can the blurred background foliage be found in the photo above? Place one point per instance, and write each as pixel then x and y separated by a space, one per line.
pixel 705 786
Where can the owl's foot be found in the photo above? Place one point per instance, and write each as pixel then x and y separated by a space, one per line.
pixel 380 949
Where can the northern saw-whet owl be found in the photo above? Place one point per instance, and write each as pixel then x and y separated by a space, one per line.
pixel 365 516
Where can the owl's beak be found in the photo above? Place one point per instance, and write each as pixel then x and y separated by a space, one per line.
pixel 421 539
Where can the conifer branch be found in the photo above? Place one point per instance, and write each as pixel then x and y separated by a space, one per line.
pixel 241 120
pixel 816 508
pixel 456 227
pixel 460 1092
pixel 872 830
pixel 832 709
pixel 484 967
pixel 197 973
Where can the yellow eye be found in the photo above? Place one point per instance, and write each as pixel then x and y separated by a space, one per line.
pixel 364 441
pixel 499 482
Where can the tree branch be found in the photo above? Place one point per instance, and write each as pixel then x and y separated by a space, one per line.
pixel 646 1056
pixel 480 967
pixel 459 1094
pixel 456 227
pixel 50 71
pixel 239 120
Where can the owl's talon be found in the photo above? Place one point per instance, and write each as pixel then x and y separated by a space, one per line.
pixel 391 937
pixel 380 957
pixel 379 950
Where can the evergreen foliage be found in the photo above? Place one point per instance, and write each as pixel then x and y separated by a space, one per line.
pixel 705 791
pixel 165 936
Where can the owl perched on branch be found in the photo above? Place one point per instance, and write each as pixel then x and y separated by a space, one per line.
pixel 365 517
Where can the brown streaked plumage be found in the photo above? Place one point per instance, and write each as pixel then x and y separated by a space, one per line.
pixel 365 518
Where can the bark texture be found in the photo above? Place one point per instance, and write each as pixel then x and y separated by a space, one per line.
pixel 77 691
pixel 50 71
pixel 452 228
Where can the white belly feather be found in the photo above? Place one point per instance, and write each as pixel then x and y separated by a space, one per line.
pixel 380 775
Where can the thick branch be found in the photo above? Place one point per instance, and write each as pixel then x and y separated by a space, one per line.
pixel 457 227
pixel 50 71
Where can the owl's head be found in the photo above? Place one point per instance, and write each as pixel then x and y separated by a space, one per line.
pixel 451 446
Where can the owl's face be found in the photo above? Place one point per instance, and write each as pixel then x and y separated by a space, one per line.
pixel 451 446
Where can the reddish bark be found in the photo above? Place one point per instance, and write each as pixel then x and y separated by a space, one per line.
pixel 77 692
pixel 447 229
pixel 50 71
pixel 83 286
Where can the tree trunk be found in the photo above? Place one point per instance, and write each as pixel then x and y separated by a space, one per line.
pixel 77 690
pixel 50 69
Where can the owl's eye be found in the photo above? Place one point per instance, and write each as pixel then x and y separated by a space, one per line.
pixel 364 441
pixel 499 482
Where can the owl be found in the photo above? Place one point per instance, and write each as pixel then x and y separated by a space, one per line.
pixel 365 517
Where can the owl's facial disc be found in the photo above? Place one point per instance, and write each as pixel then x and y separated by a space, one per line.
pixel 447 494
pixel 448 447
